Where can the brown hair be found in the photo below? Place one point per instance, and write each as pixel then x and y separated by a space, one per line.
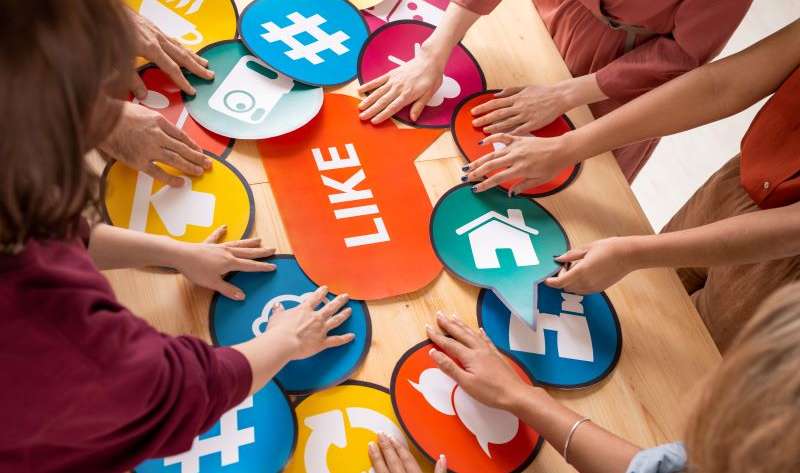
pixel 748 419
pixel 60 62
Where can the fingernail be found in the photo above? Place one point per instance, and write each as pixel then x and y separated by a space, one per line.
pixel 211 74
pixel 465 168
pixel 440 316
pixel 239 296
pixel 192 91
pixel 442 457
pixel 464 178
pixel 372 446
pixel 474 189
pixel 480 142
pixel 207 163
pixel 428 328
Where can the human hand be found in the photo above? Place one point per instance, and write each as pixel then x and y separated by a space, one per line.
pixel 412 82
pixel 596 266
pixel 474 363
pixel 205 264
pixel 535 161
pixel 168 54
pixel 521 110
pixel 305 328
pixel 143 137
pixel 388 455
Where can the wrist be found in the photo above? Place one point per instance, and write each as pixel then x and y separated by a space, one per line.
pixel 641 252
pixel 436 51
pixel 170 253
pixel 520 397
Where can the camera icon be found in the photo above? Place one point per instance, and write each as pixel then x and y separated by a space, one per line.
pixel 250 91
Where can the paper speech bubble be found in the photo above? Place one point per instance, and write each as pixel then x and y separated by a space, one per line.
pixel 441 418
pixel 493 241
pixel 467 138
pixel 399 42
pixel 352 201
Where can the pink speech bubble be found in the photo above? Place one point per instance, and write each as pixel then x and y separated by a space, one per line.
pixel 396 43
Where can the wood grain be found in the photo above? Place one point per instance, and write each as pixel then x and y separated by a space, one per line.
pixel 666 348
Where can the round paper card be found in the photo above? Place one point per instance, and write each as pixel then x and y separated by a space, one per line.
pixel 234 322
pixel 467 138
pixel 441 418
pixel 258 435
pixel 576 343
pixel 193 23
pixel 397 43
pixel 246 99
pixel 134 200
pixel 337 425
pixel 164 97
pixel 312 41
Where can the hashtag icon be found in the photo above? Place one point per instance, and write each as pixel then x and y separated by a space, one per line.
pixel 300 24
pixel 226 443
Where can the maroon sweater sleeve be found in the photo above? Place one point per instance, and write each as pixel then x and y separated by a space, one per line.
pixel 86 385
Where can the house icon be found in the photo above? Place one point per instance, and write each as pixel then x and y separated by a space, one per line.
pixel 492 232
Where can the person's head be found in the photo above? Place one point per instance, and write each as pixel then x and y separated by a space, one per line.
pixel 748 419
pixel 60 63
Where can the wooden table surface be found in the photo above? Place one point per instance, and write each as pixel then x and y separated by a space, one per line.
pixel 666 348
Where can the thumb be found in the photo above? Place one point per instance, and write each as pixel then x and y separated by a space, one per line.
pixel 522 186
pixel 217 235
pixel 137 87
pixel 572 255
pixel 419 105
pixel 229 290
pixel 441 465
pixel 563 279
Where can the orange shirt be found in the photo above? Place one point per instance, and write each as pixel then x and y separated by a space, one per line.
pixel 770 162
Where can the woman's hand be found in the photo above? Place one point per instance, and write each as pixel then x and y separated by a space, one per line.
pixel 412 82
pixel 475 364
pixel 388 455
pixel 205 264
pixel 168 54
pixel 597 266
pixel 305 328
pixel 534 160
pixel 521 110
pixel 143 137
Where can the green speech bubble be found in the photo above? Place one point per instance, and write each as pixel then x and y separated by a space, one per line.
pixel 498 242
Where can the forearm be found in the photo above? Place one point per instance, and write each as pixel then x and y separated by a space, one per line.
pixel 704 95
pixel 455 24
pixel 749 238
pixel 266 355
pixel 582 90
pixel 592 449
pixel 113 248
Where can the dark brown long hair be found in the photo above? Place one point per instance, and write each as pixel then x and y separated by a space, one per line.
pixel 61 62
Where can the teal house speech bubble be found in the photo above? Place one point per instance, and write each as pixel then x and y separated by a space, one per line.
pixel 498 242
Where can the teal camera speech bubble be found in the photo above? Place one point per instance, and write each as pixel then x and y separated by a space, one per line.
pixel 505 244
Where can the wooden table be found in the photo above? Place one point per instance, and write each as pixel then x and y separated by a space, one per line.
pixel 666 348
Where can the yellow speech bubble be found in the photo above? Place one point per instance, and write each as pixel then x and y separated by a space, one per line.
pixel 193 23
pixel 189 213
pixel 336 426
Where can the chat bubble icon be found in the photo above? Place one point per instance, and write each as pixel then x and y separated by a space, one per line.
pixel 487 424
pixel 437 389
pixel 501 243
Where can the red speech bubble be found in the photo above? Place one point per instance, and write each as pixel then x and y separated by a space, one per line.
pixel 352 202
pixel 467 138
pixel 164 97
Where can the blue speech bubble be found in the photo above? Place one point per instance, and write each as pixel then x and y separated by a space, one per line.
pixel 312 41
pixel 259 434
pixel 235 322
pixel 498 242
pixel 577 341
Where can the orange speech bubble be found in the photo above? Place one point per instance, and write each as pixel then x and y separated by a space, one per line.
pixel 352 202
pixel 467 138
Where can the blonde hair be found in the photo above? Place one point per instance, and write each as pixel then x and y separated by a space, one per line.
pixel 748 419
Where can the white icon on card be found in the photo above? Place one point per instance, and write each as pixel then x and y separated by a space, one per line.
pixel 571 327
pixel 421 10
pixel 225 445
pixel 171 23
pixel 259 325
pixel 487 424
pixel 328 429
pixel 250 91
pixel 177 207
pixel 492 232
pixel 449 89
